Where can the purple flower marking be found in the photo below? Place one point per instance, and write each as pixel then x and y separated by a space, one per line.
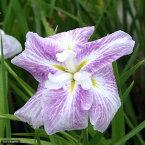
pixel 76 79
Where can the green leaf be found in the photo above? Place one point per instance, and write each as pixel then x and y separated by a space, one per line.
pixel 85 138
pixel 131 133
pixel 18 91
pixel 55 31
pixel 101 16
pixel 5 125
pixel 52 4
pixel 95 140
pixel 37 136
pixel 8 17
pixel 8 116
pixel 54 138
pixel 118 131
pixel 26 87
pixel 2 88
pixel 130 61
pixel 103 141
pixel 129 123
pixel 68 136
pixel 126 93
pixel 37 17
pixel 49 31
pixel 19 13
pixel 47 6
pixel 125 76
pixel 4 5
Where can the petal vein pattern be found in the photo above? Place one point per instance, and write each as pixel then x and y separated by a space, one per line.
pixel 39 57
pixel 106 100
pixel 39 67
pixel 69 40
pixel 64 110
pixel 101 52
pixel 32 112
pixel 76 76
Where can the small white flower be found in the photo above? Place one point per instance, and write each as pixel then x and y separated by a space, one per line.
pixel 11 46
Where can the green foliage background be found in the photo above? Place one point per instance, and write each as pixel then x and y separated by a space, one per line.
pixel 46 17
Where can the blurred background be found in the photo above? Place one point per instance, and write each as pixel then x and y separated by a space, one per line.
pixel 46 17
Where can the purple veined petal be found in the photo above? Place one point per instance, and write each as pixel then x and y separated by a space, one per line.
pixel 49 46
pixel 39 57
pixel 70 40
pixel 101 52
pixel 43 47
pixel 63 109
pixel 78 34
pixel 32 112
pixel 11 46
pixel 86 100
pixel 106 99
pixel 36 65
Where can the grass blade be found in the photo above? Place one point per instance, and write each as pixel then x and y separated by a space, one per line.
pixel 49 31
pixel 132 58
pixel 26 87
pixel 2 88
pixel 8 116
pixel 3 92
pixel 131 133
pixel 124 77
pixel 129 123
pixel 118 131
pixel 47 6
pixel 18 91
pixel 37 18
pixel 51 8
pixel 126 93
pixel 101 16
pixel 20 16
pixel 85 139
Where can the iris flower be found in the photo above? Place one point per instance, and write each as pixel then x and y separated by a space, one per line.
pixel 76 80
pixel 11 46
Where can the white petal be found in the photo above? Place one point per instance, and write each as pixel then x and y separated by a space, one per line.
pixel 106 99
pixel 57 81
pixel 2 32
pixel 52 85
pixel 63 109
pixel 86 84
pixel 68 57
pixel 60 77
pixel 11 46
pixel 66 54
pixel 84 79
pixel 32 112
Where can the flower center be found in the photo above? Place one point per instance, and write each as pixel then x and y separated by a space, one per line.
pixel 68 58
pixel 71 74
